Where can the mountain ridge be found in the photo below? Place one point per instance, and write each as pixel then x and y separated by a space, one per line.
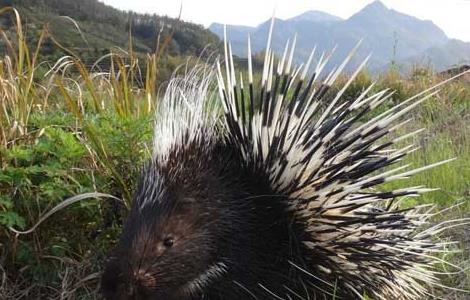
pixel 390 35
pixel 316 16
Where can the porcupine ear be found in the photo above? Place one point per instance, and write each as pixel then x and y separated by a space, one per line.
pixel 326 161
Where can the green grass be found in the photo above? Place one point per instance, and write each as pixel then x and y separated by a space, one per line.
pixel 451 178
pixel 62 134
pixel 66 131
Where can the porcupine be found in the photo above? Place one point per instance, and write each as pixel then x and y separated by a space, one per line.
pixel 274 197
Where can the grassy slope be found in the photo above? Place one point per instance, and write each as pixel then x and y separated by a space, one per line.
pixel 446 123
pixel 70 133
pixel 101 36
pixel 446 119
pixel 92 28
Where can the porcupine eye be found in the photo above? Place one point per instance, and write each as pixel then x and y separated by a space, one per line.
pixel 168 242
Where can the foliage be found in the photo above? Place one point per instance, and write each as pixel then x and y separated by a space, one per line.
pixel 64 134
pixel 90 29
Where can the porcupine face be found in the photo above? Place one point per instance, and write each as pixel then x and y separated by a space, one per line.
pixel 170 247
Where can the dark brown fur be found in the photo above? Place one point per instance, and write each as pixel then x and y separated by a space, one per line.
pixel 215 211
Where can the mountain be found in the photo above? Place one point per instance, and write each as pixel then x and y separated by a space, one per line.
pixel 451 54
pixel 388 34
pixel 316 17
pixel 93 28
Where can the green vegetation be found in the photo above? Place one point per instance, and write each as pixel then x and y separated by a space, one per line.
pixel 66 130
pixel 446 120
pixel 89 29
pixel 62 133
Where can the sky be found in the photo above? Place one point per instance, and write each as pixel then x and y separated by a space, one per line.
pixel 452 16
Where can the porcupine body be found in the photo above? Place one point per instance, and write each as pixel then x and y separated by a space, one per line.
pixel 276 201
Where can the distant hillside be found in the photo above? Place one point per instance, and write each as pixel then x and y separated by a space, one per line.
pixel 387 34
pixel 452 53
pixel 105 27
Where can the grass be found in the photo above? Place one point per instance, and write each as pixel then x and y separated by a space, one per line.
pixel 66 129
pixel 446 120
pixel 447 136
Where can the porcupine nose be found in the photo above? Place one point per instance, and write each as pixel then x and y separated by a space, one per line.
pixel 141 276
pixel 142 282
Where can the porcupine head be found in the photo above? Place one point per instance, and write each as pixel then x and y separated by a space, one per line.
pixel 267 192
pixel 200 222
pixel 200 219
